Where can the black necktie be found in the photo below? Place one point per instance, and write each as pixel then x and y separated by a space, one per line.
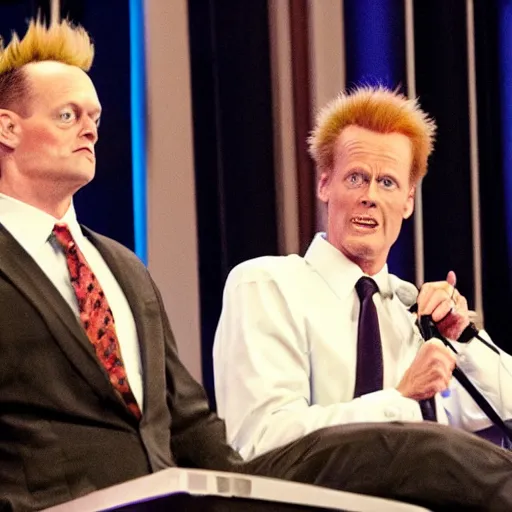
pixel 369 373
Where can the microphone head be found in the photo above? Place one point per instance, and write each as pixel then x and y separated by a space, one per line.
pixel 407 293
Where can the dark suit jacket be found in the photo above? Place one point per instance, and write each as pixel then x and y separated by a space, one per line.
pixel 63 430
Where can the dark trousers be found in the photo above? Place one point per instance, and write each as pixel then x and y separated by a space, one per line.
pixel 435 466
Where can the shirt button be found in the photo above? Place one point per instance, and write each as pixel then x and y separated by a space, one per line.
pixel 390 413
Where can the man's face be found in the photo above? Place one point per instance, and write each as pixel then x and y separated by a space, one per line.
pixel 368 194
pixel 57 139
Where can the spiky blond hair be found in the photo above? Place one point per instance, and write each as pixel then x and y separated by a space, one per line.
pixel 377 109
pixel 60 41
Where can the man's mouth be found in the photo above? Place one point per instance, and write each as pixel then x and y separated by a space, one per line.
pixel 85 148
pixel 88 152
pixel 364 221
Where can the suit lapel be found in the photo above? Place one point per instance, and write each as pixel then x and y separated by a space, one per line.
pixel 25 274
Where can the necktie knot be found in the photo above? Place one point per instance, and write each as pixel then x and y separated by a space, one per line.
pixel 63 235
pixel 366 287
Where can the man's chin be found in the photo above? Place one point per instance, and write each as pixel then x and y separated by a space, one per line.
pixel 76 179
pixel 85 176
pixel 365 251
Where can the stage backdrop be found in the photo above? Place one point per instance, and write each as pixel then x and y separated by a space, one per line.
pixel 258 73
pixel 202 157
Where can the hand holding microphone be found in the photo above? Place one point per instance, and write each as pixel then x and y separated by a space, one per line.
pixel 432 368
pixel 447 307
pixel 429 373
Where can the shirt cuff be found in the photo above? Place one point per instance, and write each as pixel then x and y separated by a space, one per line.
pixel 394 406
pixel 477 359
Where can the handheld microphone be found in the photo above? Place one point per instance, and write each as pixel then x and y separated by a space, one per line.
pixel 407 293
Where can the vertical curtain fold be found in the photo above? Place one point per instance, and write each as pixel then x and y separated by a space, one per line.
pixel 505 63
pixel 233 148
pixel 299 33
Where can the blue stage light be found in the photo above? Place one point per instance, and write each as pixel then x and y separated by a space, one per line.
pixel 138 123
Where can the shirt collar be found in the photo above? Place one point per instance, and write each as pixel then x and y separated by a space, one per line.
pixel 32 227
pixel 340 273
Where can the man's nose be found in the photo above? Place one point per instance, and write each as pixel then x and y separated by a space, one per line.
pixel 90 130
pixel 370 195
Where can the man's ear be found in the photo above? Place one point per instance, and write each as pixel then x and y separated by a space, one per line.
pixel 409 204
pixel 9 129
pixel 323 189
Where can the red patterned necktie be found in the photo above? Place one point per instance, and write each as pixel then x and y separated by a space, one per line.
pixel 96 316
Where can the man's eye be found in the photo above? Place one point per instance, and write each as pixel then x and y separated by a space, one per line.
pixel 355 179
pixel 388 183
pixel 66 116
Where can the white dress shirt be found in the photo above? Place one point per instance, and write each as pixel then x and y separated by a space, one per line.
pixel 32 229
pixel 286 346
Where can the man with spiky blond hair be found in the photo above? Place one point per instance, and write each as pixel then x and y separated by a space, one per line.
pixel 90 377
pixel 305 343
pixel 92 391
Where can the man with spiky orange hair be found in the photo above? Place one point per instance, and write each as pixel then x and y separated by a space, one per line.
pixel 307 343
pixel 92 391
